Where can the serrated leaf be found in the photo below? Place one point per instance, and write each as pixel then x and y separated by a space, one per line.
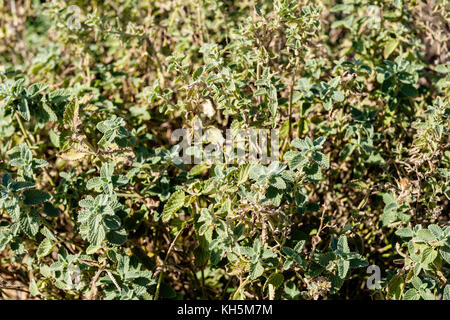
pixel 197 73
pixel 243 173
pixel 395 288
pixel 300 144
pixel 313 172
pixel 256 270
pixel 390 47
pixel 445 253
pixel 321 159
pixel 50 210
pixel 34 291
pixel 45 248
pixel 342 245
pixel 29 223
pixel 116 237
pixel 435 229
pixel 70 117
pixel 23 109
pixel 277 182
pixel 268 253
pixel 35 196
pixel 446 294
pixel 94 183
pixel 405 233
pixel 297 161
pixel 275 279
pixel 425 235
pixel 97 235
pixel 343 267
pixel 112 222
pixel 73 155
pixel 411 294
pixel 48 234
pixel 175 203
pixel 338 96
pixel 21 185
pixel 198 169
pixel 428 256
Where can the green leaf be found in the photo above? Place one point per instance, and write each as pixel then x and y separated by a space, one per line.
pixel 300 144
pixel 425 235
pixel 291 290
pixel 342 244
pixel 277 182
pixel 97 235
pixel 94 183
pixel 116 237
pixel 45 248
pixel 112 222
pixel 408 90
pixel 275 279
pixel 50 210
pixel 268 253
pixel 23 109
pixel 33 288
pixel 107 169
pixel 321 159
pixel 35 196
pixel 198 169
pixel 297 160
pixel 29 223
pixel 395 288
pixel 411 294
pixel 197 73
pixel 47 233
pixel 5 238
pixel 428 256
pixel 390 47
pixel 256 270
pixel 313 172
pixel 436 230
pixel 343 267
pixel 22 185
pixel 243 173
pixel 247 251
pixel 338 96
pixel 73 155
pixel 201 254
pixel 405 233
pixel 70 117
pixel 446 294
pixel 388 198
pixel 92 249
pixel 175 203
pixel 445 253
pixel 274 195
pixel 442 68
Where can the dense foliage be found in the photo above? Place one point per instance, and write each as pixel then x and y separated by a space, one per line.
pixel 96 204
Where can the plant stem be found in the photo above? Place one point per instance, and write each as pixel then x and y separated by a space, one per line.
pixel 28 140
pixel 172 244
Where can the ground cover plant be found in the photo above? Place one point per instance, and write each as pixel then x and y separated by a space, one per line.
pixel 109 190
